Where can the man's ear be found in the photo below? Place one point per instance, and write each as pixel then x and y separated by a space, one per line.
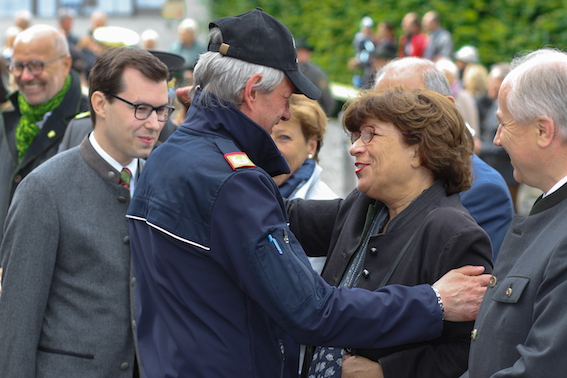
pixel 99 102
pixel 67 63
pixel 250 94
pixel 546 131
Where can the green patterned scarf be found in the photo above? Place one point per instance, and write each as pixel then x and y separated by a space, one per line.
pixel 27 128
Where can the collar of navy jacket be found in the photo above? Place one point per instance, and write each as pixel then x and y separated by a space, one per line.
pixel 226 121
pixel 198 148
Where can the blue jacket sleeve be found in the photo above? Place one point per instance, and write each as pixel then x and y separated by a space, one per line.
pixel 492 212
pixel 268 263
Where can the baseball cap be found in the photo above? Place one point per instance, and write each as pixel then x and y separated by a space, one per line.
pixel 256 37
pixel 467 54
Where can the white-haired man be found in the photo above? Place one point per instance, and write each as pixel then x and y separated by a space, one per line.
pixel 521 329
pixel 225 288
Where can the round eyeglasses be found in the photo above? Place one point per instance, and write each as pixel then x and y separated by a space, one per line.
pixel 366 133
pixel 144 111
pixel 35 66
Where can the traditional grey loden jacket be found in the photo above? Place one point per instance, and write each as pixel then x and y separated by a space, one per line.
pixel 67 308
pixel 521 327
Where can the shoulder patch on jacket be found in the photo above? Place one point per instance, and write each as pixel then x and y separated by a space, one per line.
pixel 238 160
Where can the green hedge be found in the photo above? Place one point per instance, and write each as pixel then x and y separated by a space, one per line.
pixel 499 28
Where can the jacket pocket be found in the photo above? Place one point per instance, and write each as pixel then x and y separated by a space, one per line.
pixel 511 289
pixel 287 276
pixel 65 353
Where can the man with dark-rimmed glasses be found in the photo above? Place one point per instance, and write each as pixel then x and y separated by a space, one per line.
pixel 68 305
pixel 48 96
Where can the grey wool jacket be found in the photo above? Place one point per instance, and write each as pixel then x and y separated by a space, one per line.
pixel 67 307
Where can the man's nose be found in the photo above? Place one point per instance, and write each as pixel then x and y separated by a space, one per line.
pixel 26 74
pixel 287 114
pixel 496 140
pixel 152 121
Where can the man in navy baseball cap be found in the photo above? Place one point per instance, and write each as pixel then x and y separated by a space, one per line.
pixel 224 288
pixel 259 38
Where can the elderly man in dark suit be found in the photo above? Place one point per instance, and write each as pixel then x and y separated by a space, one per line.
pixel 68 308
pixel 48 97
pixel 521 328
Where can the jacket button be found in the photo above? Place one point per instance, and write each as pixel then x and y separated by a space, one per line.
pixel 126 239
pixel 474 334
pixel 133 281
pixel 366 273
pixel 125 366
pixel 121 199
pixel 343 255
pixel 111 175
pixel 133 324
pixel 508 291
pixel 492 281
pixel 373 250
pixel 17 179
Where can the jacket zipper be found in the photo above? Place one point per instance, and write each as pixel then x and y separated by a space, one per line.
pixel 282 351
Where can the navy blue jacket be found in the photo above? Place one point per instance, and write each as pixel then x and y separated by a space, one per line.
pixel 489 202
pixel 224 288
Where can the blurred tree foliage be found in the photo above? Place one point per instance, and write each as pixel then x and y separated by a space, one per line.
pixel 498 28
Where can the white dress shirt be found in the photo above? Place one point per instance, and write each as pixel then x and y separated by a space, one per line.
pixel 133 166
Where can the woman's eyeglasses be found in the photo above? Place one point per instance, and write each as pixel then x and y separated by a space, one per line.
pixel 366 133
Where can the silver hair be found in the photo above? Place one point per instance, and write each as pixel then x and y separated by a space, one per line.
pixel 537 86
pixel 226 77
pixel 433 77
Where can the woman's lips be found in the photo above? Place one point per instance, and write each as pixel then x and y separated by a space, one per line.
pixel 360 167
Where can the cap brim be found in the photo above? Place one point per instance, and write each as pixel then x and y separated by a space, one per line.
pixel 303 85
pixel 172 61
